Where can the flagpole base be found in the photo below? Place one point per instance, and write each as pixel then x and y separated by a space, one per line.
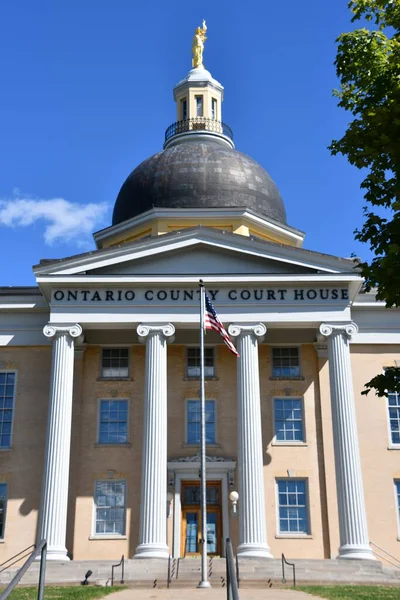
pixel 204 584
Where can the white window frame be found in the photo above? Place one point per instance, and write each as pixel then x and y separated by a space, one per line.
pixel 6 448
pixel 277 442
pixel 215 442
pixel 392 445
pixel 215 111
pixel 117 347
pixel 289 377
pixel 183 117
pixel 108 536
pixel 2 537
pixel 293 534
pixel 202 105
pixel 397 505
pixel 98 442
pixel 207 346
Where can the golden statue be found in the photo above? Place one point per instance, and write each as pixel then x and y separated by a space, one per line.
pixel 198 45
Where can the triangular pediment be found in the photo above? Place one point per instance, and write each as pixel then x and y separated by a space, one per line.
pixel 197 252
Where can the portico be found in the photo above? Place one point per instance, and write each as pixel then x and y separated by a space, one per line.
pixel 155 308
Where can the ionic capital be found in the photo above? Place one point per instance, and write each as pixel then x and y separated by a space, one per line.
pixel 52 329
pixel 256 329
pixel 166 329
pixel 348 329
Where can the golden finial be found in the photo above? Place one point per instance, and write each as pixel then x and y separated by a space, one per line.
pixel 198 45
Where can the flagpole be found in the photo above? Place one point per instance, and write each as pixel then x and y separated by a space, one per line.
pixel 204 583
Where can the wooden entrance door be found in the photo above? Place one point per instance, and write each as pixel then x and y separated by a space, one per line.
pixel 191 518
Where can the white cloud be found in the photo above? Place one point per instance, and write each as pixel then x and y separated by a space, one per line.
pixel 64 221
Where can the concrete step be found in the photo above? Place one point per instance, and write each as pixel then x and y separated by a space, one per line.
pixel 252 572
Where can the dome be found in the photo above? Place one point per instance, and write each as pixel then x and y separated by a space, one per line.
pixel 199 174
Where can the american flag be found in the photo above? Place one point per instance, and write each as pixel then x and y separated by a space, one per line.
pixel 211 321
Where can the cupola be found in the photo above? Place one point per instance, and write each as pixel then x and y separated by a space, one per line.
pixel 199 100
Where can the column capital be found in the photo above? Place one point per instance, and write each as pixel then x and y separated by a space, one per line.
pixel 348 329
pixel 52 329
pixel 166 329
pixel 256 329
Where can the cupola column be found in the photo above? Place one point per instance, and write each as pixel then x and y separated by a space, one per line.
pixel 252 520
pixel 153 503
pixel 54 504
pixel 354 540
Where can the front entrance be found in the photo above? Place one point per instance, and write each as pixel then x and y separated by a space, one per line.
pixel 191 518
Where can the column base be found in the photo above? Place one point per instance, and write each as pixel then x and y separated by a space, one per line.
pixel 356 552
pixel 59 555
pixel 253 551
pixel 152 551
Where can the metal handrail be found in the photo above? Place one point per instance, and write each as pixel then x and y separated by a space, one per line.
pixel 15 556
pixel 169 571
pixel 237 571
pixel 283 570
pixel 121 562
pixel 41 549
pixel 384 558
pixel 198 124
pixel 232 592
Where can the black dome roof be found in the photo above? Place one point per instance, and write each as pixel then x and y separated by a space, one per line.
pixel 198 174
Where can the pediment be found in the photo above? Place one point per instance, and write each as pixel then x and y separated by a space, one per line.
pixel 201 260
pixel 199 252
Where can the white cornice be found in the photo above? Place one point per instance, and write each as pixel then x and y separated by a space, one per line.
pixel 190 238
pixel 285 231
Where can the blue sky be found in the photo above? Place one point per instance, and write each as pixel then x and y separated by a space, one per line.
pixel 86 94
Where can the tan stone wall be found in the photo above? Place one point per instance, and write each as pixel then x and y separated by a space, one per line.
pixel 380 465
pixel 105 462
pixel 304 460
pixel 21 467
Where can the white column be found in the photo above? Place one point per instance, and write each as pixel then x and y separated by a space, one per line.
pixel 54 504
pixel 153 503
pixel 354 540
pixel 252 521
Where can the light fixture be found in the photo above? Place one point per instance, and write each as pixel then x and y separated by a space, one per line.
pixel 88 574
pixel 234 497
pixel 170 497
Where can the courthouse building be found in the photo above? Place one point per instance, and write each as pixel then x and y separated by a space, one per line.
pixel 105 350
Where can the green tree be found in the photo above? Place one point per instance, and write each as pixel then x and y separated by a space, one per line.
pixel 368 67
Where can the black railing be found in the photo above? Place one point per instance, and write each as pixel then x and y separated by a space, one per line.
pixel 173 569
pixel 232 592
pixel 41 549
pixel 284 561
pixel 384 556
pixel 198 124
pixel 120 564
pixel 16 558
pixel 237 571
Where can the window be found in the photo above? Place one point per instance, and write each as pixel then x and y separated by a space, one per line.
pixel 7 394
pixel 397 492
pixel 193 362
pixel 288 414
pixel 183 109
pixel 115 362
pixel 285 362
pixel 199 106
pixel 3 507
pixel 194 424
pixel 110 507
pixel 213 108
pixel 292 502
pixel 113 425
pixel 394 417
